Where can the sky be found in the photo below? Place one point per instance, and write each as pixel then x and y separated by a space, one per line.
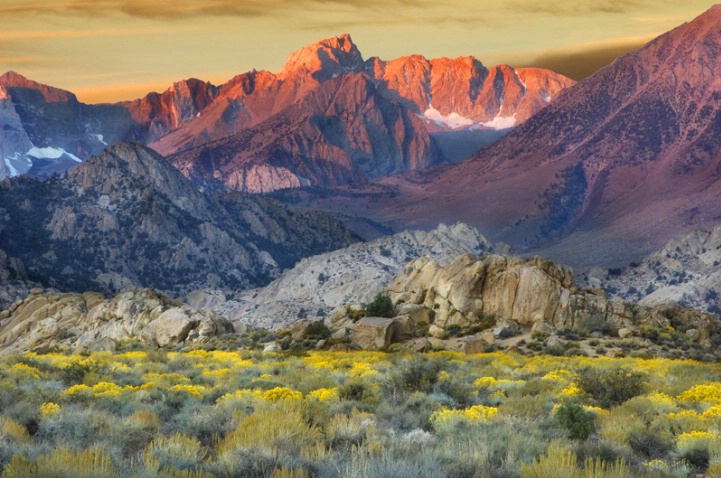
pixel 111 50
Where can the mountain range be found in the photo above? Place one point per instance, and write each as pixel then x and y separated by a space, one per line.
pixel 623 161
pixel 328 117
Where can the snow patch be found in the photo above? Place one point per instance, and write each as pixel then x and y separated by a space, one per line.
pixel 546 98
pixel 51 153
pixel 453 120
pixel 100 138
pixel 11 170
pixel 501 122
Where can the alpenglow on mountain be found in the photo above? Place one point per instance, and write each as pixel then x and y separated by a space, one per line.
pixel 625 160
pixel 328 117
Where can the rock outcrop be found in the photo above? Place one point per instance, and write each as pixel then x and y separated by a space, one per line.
pixel 518 290
pixel 128 218
pixel 481 300
pixel 318 286
pixel 89 321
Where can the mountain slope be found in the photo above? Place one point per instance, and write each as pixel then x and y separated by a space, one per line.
pixel 625 160
pixel 344 131
pixel 127 217
pixel 461 92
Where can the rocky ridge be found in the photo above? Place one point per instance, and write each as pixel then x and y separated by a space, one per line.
pixel 47 130
pixel 320 285
pixel 686 271
pixel 459 93
pixel 90 322
pixel 344 131
pixel 327 117
pixel 128 218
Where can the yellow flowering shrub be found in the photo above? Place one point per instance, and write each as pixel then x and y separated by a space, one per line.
pixel 570 391
pixel 106 389
pixel 23 371
pixel 241 395
pixel 362 369
pixel 446 419
pixel 195 391
pixel 281 393
pixel 562 376
pixel 48 409
pixel 323 394
pixel 712 413
pixel 78 390
pixel 695 440
pixel 710 393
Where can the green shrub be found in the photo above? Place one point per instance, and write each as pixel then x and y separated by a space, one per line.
pixel 418 374
pixel 611 387
pixel 381 306
pixel 577 422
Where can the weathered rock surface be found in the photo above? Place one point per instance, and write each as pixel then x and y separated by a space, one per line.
pixel 319 286
pixel 89 320
pixel 375 333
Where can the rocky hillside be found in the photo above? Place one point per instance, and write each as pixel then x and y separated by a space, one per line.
pixel 318 286
pixel 686 271
pixel 128 218
pixel 90 322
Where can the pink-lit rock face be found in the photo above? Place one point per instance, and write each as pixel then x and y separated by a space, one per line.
pixel 461 92
pixel 330 118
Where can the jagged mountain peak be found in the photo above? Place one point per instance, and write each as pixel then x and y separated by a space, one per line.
pixel 325 59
